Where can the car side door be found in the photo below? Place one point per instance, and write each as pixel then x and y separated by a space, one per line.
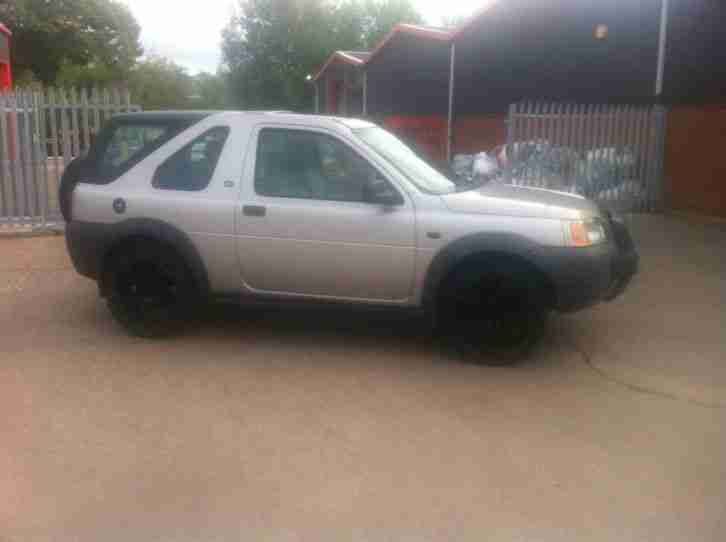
pixel 309 224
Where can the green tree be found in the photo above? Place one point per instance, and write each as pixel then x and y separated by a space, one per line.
pixel 209 91
pixel 158 83
pixel 271 46
pixel 49 35
pixel 94 74
pixel 381 16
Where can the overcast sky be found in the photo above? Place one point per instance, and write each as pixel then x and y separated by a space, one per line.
pixel 189 32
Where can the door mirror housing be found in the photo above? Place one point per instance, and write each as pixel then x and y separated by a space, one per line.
pixel 380 192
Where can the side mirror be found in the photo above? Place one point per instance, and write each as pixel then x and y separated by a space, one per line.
pixel 381 193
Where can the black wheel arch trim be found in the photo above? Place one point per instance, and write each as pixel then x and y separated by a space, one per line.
pixel 89 244
pixel 448 258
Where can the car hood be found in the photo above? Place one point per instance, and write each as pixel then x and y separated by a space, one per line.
pixel 508 200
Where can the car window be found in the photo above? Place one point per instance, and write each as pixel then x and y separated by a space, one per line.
pixel 301 164
pixel 192 167
pixel 393 150
pixel 127 142
pixel 123 143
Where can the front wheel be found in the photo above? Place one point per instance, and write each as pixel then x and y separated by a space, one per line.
pixel 150 289
pixel 493 318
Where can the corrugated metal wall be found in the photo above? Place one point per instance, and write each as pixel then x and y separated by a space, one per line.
pixel 409 77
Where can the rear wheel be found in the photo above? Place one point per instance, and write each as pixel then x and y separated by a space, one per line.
pixel 150 289
pixel 494 316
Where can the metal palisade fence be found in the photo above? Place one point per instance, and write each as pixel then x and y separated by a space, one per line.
pixel 610 153
pixel 40 133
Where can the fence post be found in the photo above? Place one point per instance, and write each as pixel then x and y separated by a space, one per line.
pixel 95 100
pixel 28 146
pixel 650 135
pixel 42 155
pixel 84 114
pixel 76 132
pixel 510 124
pixel 5 178
pixel 65 129
pixel 627 134
pixel 16 159
pixel 107 112
pixel 511 131
pixel 661 119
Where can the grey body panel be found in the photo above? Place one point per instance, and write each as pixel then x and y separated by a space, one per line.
pixel 327 249
pixel 331 250
pixel 507 200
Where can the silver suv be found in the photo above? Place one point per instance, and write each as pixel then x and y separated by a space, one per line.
pixel 171 208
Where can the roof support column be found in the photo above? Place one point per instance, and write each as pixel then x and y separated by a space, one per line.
pixel 662 47
pixel 345 92
pixel 450 120
pixel 317 98
pixel 365 92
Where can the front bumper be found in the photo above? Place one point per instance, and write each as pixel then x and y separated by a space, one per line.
pixel 585 276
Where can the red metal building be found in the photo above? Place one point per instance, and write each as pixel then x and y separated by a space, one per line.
pixel 449 90
pixel 6 76
pixel 340 90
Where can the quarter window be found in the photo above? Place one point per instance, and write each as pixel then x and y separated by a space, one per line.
pixel 192 167
pixel 127 144
pixel 301 164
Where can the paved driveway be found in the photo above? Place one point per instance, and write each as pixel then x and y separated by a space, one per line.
pixel 314 426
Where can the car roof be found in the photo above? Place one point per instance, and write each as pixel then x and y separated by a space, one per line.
pixel 280 116
pixel 162 116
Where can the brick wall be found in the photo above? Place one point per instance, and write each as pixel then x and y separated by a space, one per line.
pixel 695 167
pixel 426 133
pixel 479 133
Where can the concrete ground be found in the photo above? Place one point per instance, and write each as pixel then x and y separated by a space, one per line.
pixel 309 425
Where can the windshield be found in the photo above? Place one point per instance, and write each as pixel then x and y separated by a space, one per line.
pixel 405 160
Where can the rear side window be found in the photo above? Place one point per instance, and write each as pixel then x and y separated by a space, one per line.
pixel 127 144
pixel 192 167
pixel 123 143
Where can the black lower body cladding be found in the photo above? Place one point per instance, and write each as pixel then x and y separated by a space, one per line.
pixel 581 276
pixel 86 245
pixel 89 243
pixel 585 276
pixel 68 183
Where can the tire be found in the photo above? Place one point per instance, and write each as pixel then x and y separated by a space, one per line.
pixel 68 182
pixel 150 289
pixel 492 317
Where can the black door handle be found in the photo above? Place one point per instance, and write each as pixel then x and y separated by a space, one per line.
pixel 254 210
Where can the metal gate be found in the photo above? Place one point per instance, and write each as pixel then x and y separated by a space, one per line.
pixel 612 154
pixel 40 133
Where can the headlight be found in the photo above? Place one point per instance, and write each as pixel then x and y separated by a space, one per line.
pixel 584 233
